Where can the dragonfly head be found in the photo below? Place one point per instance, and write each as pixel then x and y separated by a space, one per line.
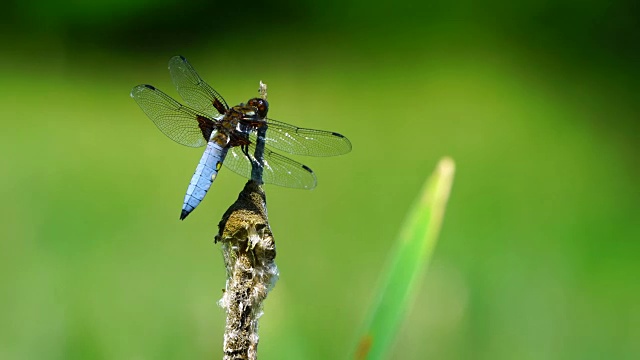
pixel 261 105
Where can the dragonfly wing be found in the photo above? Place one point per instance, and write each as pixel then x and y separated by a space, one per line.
pixel 195 92
pixel 302 141
pixel 180 123
pixel 238 162
pixel 278 170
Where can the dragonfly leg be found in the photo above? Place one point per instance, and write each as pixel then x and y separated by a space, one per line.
pixel 245 151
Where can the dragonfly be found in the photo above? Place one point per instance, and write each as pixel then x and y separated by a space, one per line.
pixel 231 134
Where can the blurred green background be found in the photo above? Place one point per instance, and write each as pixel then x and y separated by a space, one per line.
pixel 536 101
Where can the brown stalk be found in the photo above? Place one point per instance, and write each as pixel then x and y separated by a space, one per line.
pixel 249 252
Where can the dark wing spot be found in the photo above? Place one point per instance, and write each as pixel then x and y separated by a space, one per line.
pixel 149 87
pixel 206 126
pixel 307 168
pixel 219 106
pixel 336 134
pixel 239 139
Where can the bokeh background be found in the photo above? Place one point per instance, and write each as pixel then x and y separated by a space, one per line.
pixel 537 102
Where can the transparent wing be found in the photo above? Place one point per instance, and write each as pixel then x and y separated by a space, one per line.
pixel 180 123
pixel 278 170
pixel 301 141
pixel 195 92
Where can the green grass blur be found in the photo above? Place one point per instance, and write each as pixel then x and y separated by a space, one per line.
pixel 537 103
pixel 406 265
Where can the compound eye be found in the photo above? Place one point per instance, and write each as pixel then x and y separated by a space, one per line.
pixel 261 105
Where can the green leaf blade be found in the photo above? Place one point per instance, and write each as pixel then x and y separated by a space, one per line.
pixel 415 247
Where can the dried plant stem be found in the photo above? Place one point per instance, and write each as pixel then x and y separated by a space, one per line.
pixel 249 252
pixel 257 164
